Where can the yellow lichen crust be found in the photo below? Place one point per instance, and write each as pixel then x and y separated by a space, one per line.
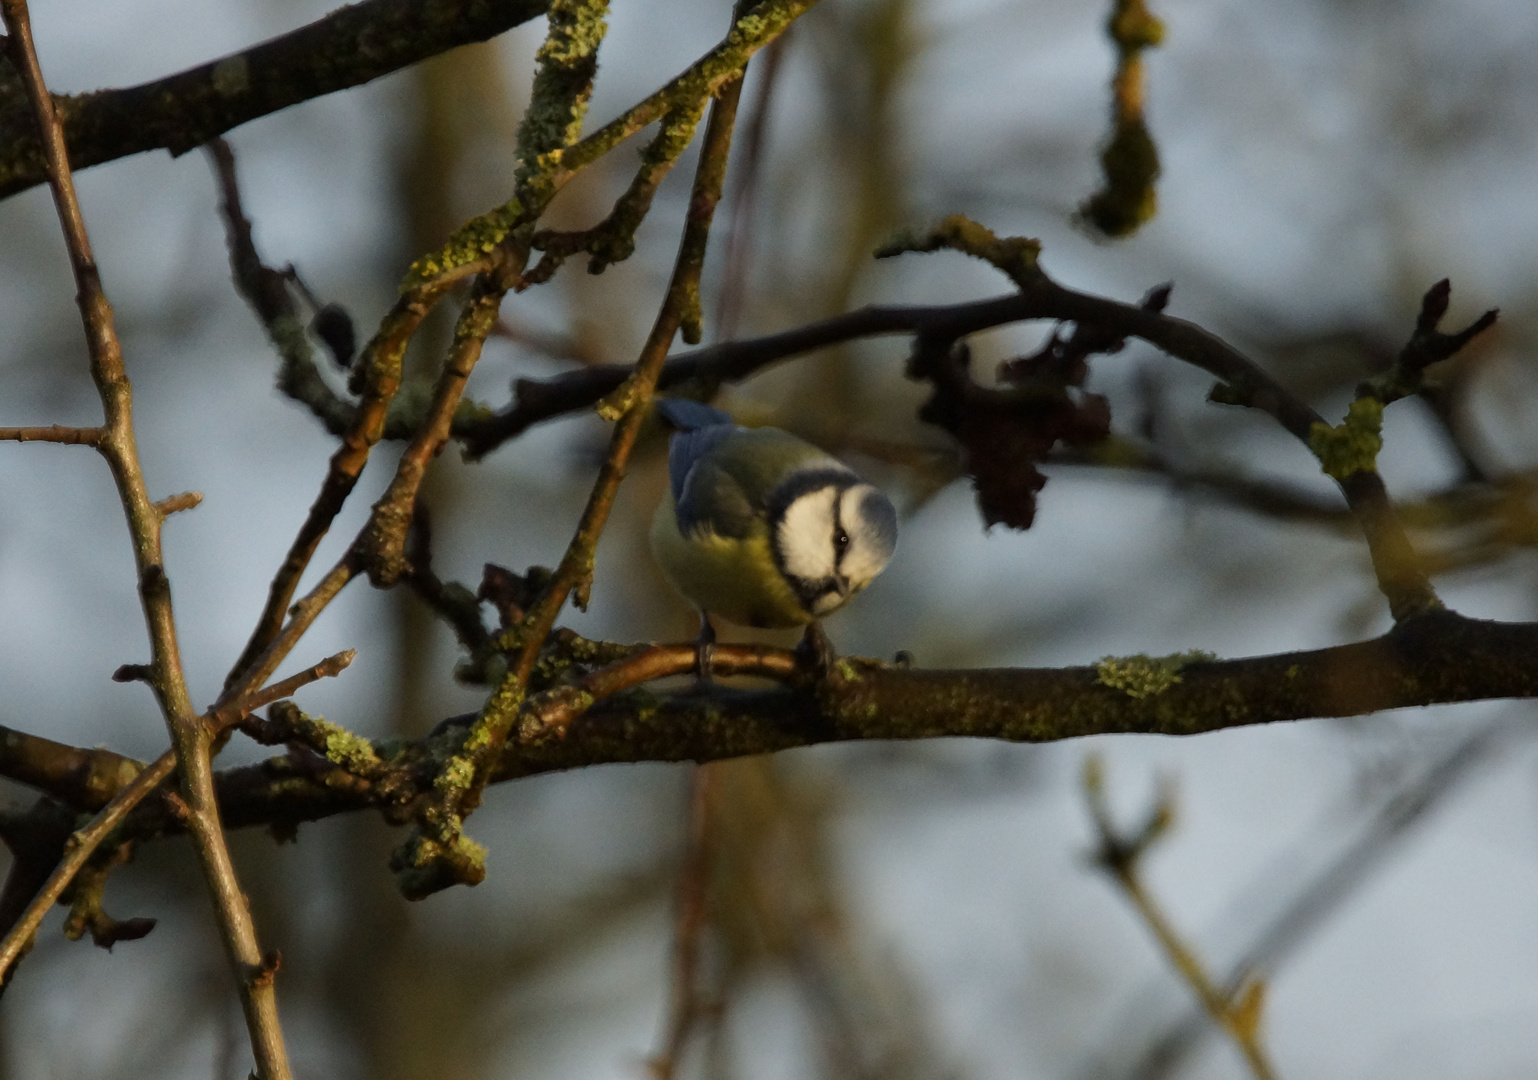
pixel 1143 676
pixel 618 401
pixel 1353 446
pixel 352 752
pixel 471 242
pixel 1014 255
pixel 563 85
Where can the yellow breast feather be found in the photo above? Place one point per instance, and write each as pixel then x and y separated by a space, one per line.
pixel 734 578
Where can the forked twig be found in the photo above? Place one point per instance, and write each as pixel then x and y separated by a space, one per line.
pixel 78 849
pixel 81 844
pixel 1119 854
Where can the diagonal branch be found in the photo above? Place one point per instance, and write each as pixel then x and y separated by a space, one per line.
pixel 78 849
pixel 1120 855
pixel 438 854
pixel 350 46
pixel 57 769
pixel 378 370
pixel 189 736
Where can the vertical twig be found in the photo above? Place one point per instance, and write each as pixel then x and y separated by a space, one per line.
pixel 1119 855
pixel 1129 159
pixel 629 405
pixel 680 309
pixel 685 1004
pixel 439 854
pixel 739 233
pixel 190 736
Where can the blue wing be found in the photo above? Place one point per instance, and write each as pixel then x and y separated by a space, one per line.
pixel 700 430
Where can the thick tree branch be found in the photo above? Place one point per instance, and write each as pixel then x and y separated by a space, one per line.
pixel 1435 658
pixel 348 47
pixel 84 779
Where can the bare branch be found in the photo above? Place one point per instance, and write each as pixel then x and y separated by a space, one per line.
pixel 437 854
pixel 350 46
pixel 189 737
pixel 237 710
pixel 377 371
pixel 83 779
pixel 77 850
pixel 71 436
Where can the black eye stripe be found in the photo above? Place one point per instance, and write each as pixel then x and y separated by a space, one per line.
pixel 840 536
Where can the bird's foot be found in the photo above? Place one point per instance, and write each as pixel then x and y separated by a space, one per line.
pixel 815 654
pixel 704 649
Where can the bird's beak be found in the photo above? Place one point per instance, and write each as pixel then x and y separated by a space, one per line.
pixel 841 583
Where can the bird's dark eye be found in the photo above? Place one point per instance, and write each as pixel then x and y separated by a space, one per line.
pixel 841 540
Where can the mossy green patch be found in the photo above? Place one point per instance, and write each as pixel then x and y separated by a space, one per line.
pixel 1143 676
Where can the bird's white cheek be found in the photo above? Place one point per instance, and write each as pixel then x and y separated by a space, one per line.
pixel 805 536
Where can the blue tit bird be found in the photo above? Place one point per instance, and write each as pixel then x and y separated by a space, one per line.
pixel 762 528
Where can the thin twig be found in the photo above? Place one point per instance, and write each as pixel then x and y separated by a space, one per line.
pixel 438 854
pixel 681 300
pixel 676 104
pixel 383 544
pixel 175 504
pixel 72 436
pixel 379 367
pixel 83 842
pixel 77 850
pixel 1297 902
pixel 739 234
pixel 301 617
pixel 237 710
pixel 553 712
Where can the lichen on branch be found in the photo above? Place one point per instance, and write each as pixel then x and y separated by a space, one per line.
pixel 1141 676
pixel 1014 255
pixel 1351 446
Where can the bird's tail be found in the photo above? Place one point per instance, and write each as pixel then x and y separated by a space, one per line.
pixel 686 415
